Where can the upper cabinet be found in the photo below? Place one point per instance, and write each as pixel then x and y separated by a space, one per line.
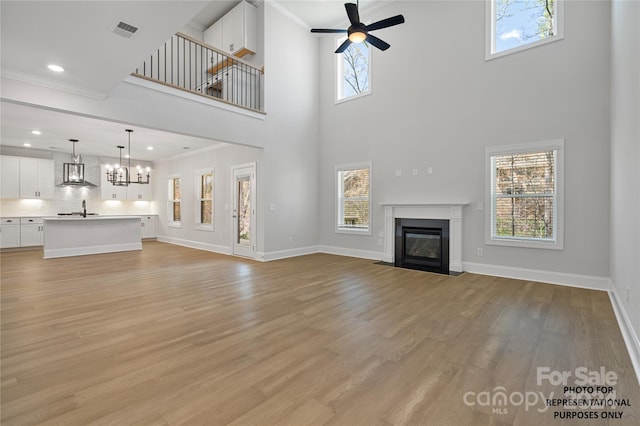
pixel 9 177
pixel 36 178
pixel 235 32
pixel 24 177
pixel 133 192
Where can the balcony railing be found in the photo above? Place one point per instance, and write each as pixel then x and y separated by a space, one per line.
pixel 187 64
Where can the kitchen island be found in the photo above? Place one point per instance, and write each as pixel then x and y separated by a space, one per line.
pixel 79 236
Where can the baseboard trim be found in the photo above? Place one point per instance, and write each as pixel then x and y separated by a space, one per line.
pixel 285 254
pixel 196 245
pixel 549 277
pixel 342 251
pixel 628 333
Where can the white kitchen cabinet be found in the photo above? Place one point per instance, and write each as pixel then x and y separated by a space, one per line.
pixel 109 191
pixel 140 192
pixel 31 231
pixel 148 224
pixel 9 177
pixel 235 32
pixel 36 178
pixel 9 232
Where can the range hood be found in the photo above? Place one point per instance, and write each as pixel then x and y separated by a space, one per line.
pixel 73 173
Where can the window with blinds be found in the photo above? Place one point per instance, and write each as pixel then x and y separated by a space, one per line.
pixel 353 198
pixel 204 199
pixel 525 194
pixel 174 207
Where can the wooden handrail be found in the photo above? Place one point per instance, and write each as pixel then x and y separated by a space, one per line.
pixel 188 64
pixel 222 52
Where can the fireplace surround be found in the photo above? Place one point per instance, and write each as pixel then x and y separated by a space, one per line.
pixel 451 211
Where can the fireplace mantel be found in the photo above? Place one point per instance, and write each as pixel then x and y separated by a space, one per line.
pixel 451 211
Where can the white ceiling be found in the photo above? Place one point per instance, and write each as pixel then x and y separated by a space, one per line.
pixel 77 35
pixel 95 137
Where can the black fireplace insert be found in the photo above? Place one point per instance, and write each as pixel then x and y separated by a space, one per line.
pixel 422 244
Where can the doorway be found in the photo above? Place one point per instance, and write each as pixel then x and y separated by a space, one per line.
pixel 244 210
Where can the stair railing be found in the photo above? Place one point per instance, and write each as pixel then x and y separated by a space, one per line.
pixel 188 64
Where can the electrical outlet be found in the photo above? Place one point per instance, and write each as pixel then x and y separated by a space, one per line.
pixel 627 295
pixel 415 172
pixel 290 238
pixel 430 170
pixel 398 173
pixel 480 205
pixel 480 252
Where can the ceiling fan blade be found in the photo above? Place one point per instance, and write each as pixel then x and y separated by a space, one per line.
pixel 389 22
pixel 344 46
pixel 352 13
pixel 326 30
pixel 380 44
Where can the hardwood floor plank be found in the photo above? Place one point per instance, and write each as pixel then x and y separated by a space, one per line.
pixel 173 336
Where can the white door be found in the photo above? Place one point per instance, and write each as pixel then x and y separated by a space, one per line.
pixel 244 210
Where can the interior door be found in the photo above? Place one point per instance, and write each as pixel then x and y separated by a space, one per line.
pixel 244 210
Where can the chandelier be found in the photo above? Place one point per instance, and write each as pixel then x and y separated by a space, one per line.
pixel 119 174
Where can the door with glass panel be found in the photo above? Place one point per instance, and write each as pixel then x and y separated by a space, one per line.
pixel 244 210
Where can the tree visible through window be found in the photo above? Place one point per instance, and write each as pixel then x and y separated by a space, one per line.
pixel 353 198
pixel 174 200
pixel 204 199
pixel 519 23
pixel 353 71
pixel 526 200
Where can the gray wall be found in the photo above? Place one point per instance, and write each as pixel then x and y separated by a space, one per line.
pixel 625 159
pixel 437 103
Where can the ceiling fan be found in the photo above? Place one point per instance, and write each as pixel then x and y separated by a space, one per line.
pixel 359 32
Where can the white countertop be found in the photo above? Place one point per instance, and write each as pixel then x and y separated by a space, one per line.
pixel 80 218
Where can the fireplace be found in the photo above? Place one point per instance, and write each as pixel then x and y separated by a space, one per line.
pixel 422 244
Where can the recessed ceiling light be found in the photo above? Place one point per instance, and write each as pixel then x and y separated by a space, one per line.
pixel 55 68
pixel 27 144
pixel 36 132
pixel 150 148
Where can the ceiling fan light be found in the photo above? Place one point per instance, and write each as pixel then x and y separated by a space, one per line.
pixel 357 37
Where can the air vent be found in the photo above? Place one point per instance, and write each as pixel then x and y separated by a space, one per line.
pixel 124 29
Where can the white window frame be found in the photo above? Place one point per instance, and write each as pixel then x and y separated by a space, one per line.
pixel 198 187
pixel 339 201
pixel 490 31
pixel 555 243
pixel 339 77
pixel 170 222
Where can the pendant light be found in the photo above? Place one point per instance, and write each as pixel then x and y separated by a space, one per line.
pixel 119 174
pixel 73 173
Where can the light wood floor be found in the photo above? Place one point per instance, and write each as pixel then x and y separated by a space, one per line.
pixel 171 335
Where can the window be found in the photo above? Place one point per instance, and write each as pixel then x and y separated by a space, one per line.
pixel 204 199
pixel 515 25
pixel 526 195
pixel 353 76
pixel 174 196
pixel 353 186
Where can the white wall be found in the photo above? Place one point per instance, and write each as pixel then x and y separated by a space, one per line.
pixel 221 160
pixel 437 103
pixel 625 162
pixel 289 180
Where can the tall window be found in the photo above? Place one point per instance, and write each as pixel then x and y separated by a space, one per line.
pixel 526 202
pixel 353 71
pixel 204 199
pixel 173 198
pixel 353 187
pixel 515 25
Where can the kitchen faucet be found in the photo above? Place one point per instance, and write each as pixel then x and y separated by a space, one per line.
pixel 84 208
